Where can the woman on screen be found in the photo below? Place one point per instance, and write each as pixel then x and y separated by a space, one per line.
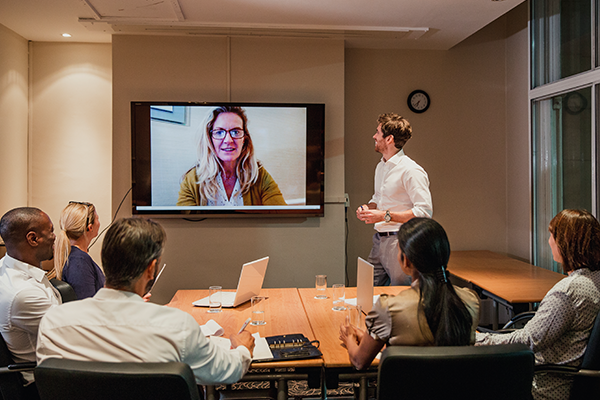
pixel 560 329
pixel 227 172
pixel 79 224
pixel 432 312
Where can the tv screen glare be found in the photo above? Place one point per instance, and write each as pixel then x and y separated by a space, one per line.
pixel 227 159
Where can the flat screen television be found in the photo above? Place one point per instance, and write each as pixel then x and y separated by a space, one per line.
pixel 227 159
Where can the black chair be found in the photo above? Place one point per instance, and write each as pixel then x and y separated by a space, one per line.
pixel 494 372
pixel 74 380
pixel 66 291
pixel 586 378
pixel 11 380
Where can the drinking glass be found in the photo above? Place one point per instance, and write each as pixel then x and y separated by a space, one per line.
pixel 215 294
pixel 339 297
pixel 354 314
pixel 258 310
pixel 321 286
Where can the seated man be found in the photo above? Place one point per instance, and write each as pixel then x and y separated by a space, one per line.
pixel 116 325
pixel 25 292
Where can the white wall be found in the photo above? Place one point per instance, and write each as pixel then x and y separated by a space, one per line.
pixel 199 254
pixel 71 128
pixel 14 107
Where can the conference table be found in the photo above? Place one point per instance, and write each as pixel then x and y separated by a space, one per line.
pixel 513 283
pixel 289 311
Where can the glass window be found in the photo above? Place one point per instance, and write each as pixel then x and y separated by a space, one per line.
pixel 562 163
pixel 560 39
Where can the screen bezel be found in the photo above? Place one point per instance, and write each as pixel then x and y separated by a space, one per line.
pixel 141 174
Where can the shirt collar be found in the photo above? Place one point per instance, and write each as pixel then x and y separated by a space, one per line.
pixel 113 294
pixel 35 272
pixel 395 159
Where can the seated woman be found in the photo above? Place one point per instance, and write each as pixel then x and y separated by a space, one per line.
pixel 79 224
pixel 560 329
pixel 227 172
pixel 432 312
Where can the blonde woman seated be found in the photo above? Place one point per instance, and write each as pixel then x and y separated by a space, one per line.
pixel 561 327
pixel 227 172
pixel 79 224
pixel 432 312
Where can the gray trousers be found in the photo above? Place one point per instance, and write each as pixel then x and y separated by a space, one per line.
pixel 384 257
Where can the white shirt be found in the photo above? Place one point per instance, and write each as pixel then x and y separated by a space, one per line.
pixel 559 331
pixel 25 296
pixel 118 326
pixel 222 200
pixel 401 184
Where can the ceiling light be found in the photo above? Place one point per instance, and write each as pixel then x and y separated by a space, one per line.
pixel 66 35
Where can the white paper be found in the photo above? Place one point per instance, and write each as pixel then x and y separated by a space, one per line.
pixel 212 328
pixel 262 351
pixel 352 301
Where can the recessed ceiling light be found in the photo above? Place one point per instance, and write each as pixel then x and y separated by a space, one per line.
pixel 66 35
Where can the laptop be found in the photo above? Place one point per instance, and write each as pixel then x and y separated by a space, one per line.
pixel 364 285
pixel 250 283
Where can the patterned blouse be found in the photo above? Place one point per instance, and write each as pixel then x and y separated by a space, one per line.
pixel 559 331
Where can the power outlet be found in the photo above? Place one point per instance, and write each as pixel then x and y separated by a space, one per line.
pixel 347 201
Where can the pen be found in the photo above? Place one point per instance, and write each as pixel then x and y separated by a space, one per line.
pixel 245 325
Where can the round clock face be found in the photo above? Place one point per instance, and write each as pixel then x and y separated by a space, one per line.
pixel 418 101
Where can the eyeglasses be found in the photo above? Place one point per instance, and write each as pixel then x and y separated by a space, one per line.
pixel 235 133
pixel 88 205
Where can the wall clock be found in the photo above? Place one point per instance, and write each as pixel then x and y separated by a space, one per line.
pixel 418 101
pixel 575 103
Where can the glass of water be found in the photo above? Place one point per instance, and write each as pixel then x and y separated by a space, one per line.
pixel 339 297
pixel 215 294
pixel 258 310
pixel 321 286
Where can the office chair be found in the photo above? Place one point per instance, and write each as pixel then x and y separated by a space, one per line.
pixel 586 378
pixel 66 291
pixel 11 381
pixel 74 380
pixel 444 372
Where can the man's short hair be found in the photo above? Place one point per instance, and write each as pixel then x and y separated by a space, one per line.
pixel 15 224
pixel 129 246
pixel 399 127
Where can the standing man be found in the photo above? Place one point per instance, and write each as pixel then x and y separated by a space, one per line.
pixel 25 292
pixel 401 193
pixel 116 325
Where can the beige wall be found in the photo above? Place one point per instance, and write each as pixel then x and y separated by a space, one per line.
pixel 13 119
pixel 212 251
pixel 461 141
pixel 71 128
pixel 518 141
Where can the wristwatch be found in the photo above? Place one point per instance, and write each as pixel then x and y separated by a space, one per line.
pixel 388 216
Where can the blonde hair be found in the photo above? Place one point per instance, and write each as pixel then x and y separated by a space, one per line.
pixel 209 164
pixel 74 220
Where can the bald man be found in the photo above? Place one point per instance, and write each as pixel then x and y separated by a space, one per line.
pixel 25 292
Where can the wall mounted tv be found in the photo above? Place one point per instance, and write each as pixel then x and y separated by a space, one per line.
pixel 227 159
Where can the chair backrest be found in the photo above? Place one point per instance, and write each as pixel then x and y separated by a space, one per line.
pixel 495 372
pixel 73 380
pixel 11 384
pixel 582 385
pixel 66 291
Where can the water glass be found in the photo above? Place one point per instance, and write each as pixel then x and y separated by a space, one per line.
pixel 321 286
pixel 258 310
pixel 339 297
pixel 215 294
pixel 354 314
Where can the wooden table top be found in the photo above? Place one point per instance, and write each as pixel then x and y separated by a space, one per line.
pixel 512 280
pixel 284 314
pixel 326 323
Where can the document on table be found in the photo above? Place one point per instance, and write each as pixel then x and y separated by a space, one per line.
pixel 261 347
pixel 352 301
pixel 212 328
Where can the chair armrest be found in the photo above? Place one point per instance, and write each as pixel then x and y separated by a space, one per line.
pixel 20 367
pixel 566 370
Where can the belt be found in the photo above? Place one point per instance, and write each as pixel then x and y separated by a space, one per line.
pixel 391 233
